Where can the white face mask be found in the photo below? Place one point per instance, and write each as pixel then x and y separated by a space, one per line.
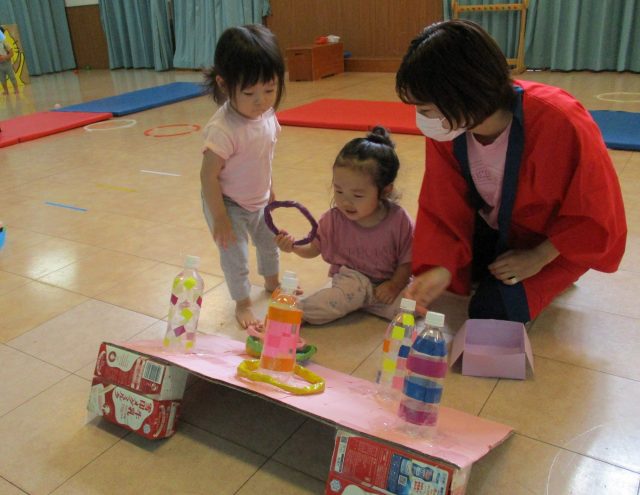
pixel 433 128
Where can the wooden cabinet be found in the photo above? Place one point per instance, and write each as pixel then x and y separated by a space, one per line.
pixel 308 63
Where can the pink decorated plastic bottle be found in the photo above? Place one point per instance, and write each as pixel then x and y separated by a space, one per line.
pixel 395 350
pixel 184 311
pixel 424 381
pixel 282 331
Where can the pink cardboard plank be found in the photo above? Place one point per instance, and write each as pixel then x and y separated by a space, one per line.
pixel 35 125
pixel 492 348
pixel 347 401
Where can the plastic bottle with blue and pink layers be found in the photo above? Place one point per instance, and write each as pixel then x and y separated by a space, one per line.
pixel 424 380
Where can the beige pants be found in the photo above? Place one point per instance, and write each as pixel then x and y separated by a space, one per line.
pixel 350 290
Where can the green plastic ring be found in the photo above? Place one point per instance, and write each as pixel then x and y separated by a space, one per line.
pixel 253 347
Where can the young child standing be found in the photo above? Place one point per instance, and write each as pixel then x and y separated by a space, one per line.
pixel 365 237
pixel 247 80
pixel 6 68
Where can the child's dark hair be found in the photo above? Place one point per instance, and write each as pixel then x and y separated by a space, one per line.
pixel 374 155
pixel 245 56
pixel 460 68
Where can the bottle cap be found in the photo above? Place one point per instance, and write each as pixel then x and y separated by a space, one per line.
pixel 408 304
pixel 434 319
pixel 290 275
pixel 289 281
pixel 192 261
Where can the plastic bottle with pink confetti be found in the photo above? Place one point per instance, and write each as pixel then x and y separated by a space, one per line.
pixel 184 311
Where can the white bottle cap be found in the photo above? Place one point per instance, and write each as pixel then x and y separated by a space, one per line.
pixel 290 275
pixel 289 281
pixel 434 319
pixel 408 304
pixel 192 261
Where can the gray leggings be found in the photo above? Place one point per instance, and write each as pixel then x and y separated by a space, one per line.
pixel 234 260
pixel 6 70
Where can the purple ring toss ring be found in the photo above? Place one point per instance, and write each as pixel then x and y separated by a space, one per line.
pixel 291 204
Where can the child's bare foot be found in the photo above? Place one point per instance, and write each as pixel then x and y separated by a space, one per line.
pixel 245 316
pixel 271 283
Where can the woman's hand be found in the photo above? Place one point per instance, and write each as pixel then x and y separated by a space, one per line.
pixel 516 265
pixel 387 292
pixel 223 233
pixel 427 286
pixel 285 241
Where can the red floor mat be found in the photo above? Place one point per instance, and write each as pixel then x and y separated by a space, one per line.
pixel 35 125
pixel 358 115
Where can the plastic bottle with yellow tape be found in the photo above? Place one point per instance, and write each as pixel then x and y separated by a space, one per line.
pixel 184 311
pixel 395 351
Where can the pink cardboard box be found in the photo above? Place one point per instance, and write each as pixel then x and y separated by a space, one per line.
pixel 362 465
pixel 149 418
pixel 139 373
pixel 492 348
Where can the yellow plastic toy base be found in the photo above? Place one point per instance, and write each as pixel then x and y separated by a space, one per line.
pixel 249 369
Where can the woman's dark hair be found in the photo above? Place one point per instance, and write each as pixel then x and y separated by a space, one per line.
pixel 374 155
pixel 245 56
pixel 459 68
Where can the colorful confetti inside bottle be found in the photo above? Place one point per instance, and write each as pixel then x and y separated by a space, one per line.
pixel 395 350
pixel 282 331
pixel 423 383
pixel 184 311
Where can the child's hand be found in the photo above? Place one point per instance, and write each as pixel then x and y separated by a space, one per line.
pixel 428 286
pixel 285 241
pixel 386 292
pixel 223 233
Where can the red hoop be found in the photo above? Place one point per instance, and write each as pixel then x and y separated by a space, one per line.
pixel 150 132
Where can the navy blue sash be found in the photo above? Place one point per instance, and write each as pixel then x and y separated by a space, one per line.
pixel 513 296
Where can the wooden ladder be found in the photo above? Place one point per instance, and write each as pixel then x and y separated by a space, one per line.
pixel 518 62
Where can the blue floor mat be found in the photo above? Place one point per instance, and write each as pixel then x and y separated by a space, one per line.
pixel 137 101
pixel 620 130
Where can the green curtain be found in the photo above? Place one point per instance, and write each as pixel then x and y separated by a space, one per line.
pixel 44 33
pixel 584 35
pixel 138 33
pixel 199 24
pixel 568 34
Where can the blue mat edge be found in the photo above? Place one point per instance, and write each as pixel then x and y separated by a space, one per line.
pixel 114 104
pixel 620 130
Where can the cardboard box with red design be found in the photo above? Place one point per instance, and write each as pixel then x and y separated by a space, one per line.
pixel 139 373
pixel 150 418
pixel 362 466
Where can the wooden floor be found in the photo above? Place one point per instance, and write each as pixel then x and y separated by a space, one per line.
pixel 70 278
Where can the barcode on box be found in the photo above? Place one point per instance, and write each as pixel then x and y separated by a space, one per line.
pixel 153 372
pixel 340 454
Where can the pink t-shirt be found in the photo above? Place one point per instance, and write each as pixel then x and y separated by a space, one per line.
pixel 246 146
pixel 486 163
pixel 373 251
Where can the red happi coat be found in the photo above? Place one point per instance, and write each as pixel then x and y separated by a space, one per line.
pixel 567 191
